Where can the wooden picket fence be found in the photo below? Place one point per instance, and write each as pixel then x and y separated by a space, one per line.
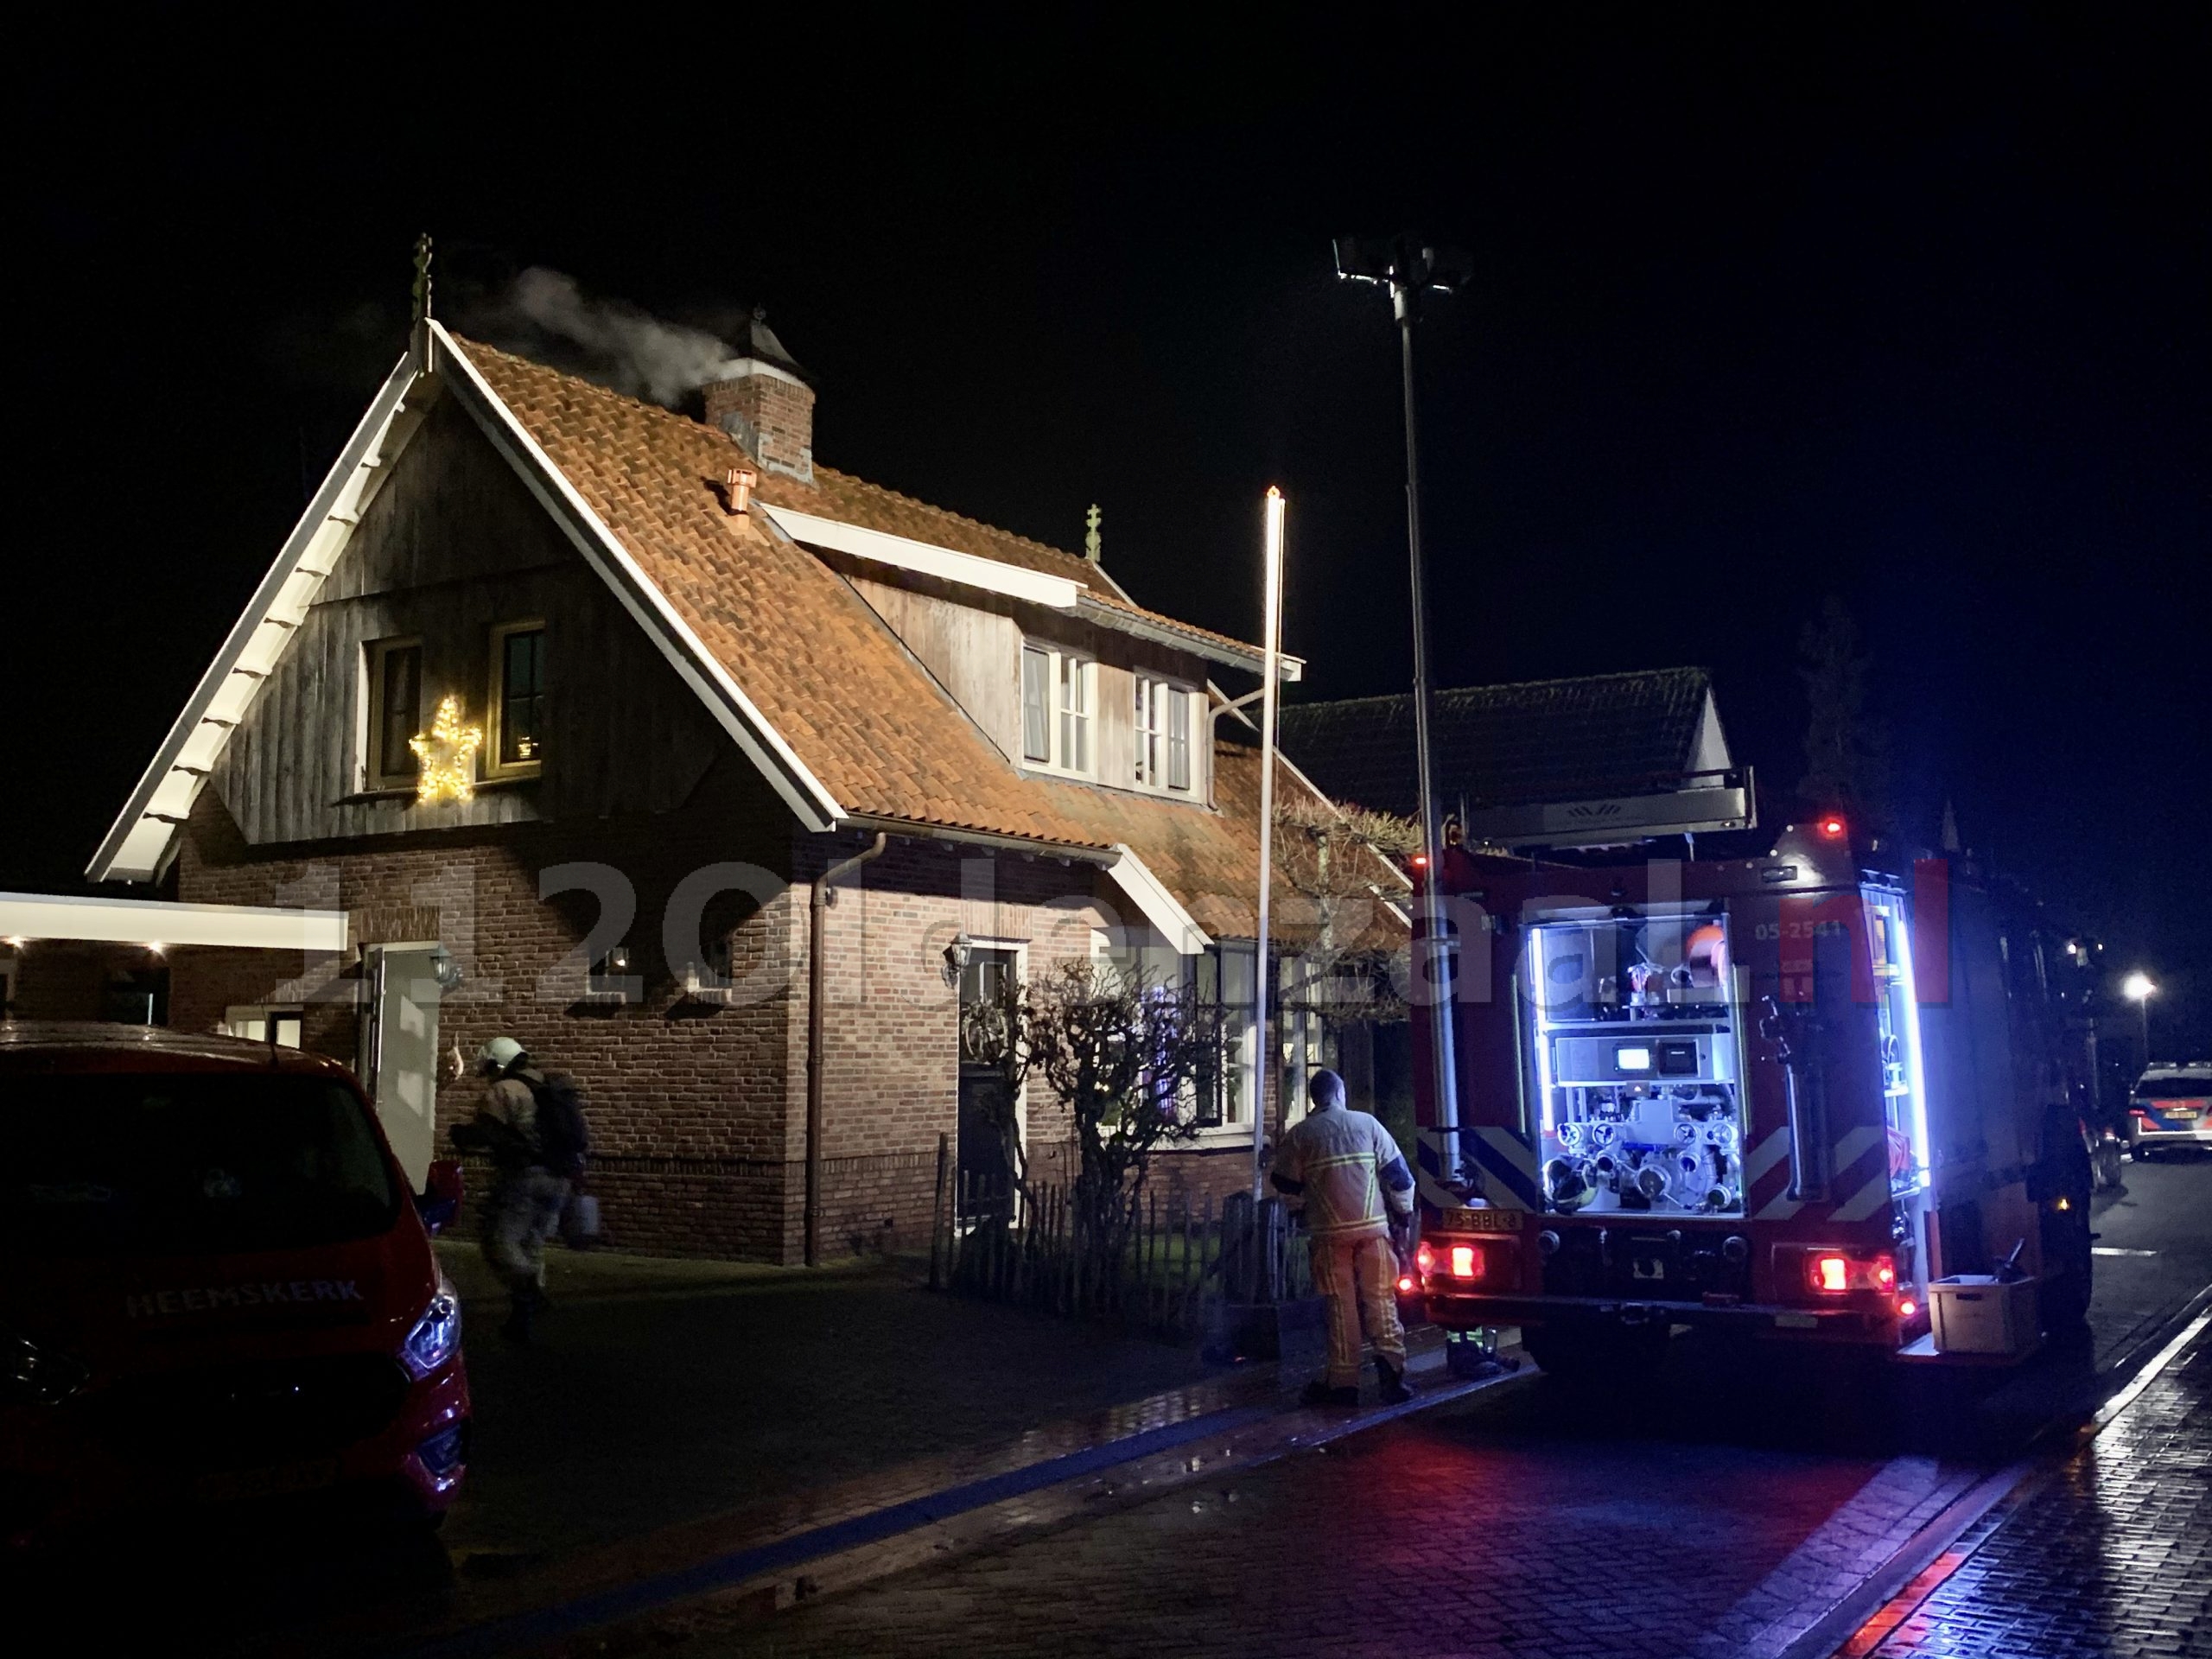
pixel 1183 1256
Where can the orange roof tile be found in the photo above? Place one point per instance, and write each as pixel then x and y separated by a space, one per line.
pixel 883 738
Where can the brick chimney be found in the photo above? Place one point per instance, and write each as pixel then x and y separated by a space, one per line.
pixel 766 402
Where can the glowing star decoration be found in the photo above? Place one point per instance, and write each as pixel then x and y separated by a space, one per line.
pixel 448 756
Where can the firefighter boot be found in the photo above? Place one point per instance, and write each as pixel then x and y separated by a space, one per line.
pixel 1395 1390
pixel 1318 1392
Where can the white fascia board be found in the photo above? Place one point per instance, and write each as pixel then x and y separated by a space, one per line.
pixel 36 915
pixel 947 564
pixel 1158 907
pixel 1175 637
pixel 813 804
pixel 137 845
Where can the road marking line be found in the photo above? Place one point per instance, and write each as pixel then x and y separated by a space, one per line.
pixel 2114 1249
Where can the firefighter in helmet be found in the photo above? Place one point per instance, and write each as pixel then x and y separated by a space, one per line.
pixel 1346 1171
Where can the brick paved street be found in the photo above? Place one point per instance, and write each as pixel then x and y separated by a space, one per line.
pixel 1497 1529
pixel 1715 1518
pixel 2112 1557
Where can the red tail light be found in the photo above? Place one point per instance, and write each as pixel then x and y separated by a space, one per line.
pixel 1907 1308
pixel 1830 1273
pixel 1405 1284
pixel 1425 1258
pixel 1832 828
pixel 1462 1262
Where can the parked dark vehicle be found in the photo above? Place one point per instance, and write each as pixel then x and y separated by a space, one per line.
pixel 214 1286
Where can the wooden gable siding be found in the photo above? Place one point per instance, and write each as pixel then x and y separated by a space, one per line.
pixel 972 644
pixel 976 654
pixel 454 546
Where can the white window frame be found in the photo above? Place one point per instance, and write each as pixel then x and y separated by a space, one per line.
pixel 1183 731
pixel 252 1021
pixel 1155 732
pixel 1042 659
pixel 1071 711
pixel 1244 1062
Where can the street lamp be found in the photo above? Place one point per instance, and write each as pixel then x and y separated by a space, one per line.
pixel 2139 988
pixel 1412 272
pixel 1271 650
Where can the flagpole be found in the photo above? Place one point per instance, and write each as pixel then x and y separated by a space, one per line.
pixel 1271 648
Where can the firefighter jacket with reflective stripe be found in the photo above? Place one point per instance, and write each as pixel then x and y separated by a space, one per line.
pixel 1348 1170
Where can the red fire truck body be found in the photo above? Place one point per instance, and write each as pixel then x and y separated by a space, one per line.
pixel 1778 1095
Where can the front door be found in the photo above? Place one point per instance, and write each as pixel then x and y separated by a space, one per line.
pixel 985 1180
pixel 399 1049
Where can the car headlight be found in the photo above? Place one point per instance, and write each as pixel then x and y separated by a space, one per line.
pixel 437 1335
pixel 41 1376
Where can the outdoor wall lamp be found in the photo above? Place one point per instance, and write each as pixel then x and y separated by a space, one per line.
pixel 957 956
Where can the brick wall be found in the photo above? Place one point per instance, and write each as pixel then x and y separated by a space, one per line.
pixel 689 1101
pixel 698 1112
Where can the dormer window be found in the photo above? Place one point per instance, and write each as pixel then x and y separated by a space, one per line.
pixel 1075 713
pixel 1058 693
pixel 1162 730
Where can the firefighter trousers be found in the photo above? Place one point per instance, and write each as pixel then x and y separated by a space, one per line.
pixel 1359 1277
pixel 520 1215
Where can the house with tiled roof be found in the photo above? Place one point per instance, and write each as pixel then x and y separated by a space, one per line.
pixel 717 777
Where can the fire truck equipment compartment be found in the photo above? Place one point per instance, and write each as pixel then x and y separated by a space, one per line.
pixel 1633 1028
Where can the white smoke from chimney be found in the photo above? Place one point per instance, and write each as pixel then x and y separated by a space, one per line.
pixel 605 341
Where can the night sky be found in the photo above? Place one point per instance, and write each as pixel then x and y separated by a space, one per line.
pixel 1910 308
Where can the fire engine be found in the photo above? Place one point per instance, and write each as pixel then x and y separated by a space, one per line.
pixel 1779 1096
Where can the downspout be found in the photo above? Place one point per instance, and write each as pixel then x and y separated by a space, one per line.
pixel 817 910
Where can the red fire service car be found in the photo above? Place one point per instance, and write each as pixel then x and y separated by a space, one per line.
pixel 215 1285
pixel 1781 1096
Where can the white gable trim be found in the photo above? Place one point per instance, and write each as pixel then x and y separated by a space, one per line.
pixel 1156 904
pixel 813 804
pixel 137 846
pixel 967 569
pixel 36 916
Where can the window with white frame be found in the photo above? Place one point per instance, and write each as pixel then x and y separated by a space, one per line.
pixel 1179 710
pixel 1037 705
pixel 281 1027
pixel 1057 699
pixel 1221 985
pixel 1076 675
pixel 1162 734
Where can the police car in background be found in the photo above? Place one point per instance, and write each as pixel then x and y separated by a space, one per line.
pixel 215 1286
pixel 2171 1106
